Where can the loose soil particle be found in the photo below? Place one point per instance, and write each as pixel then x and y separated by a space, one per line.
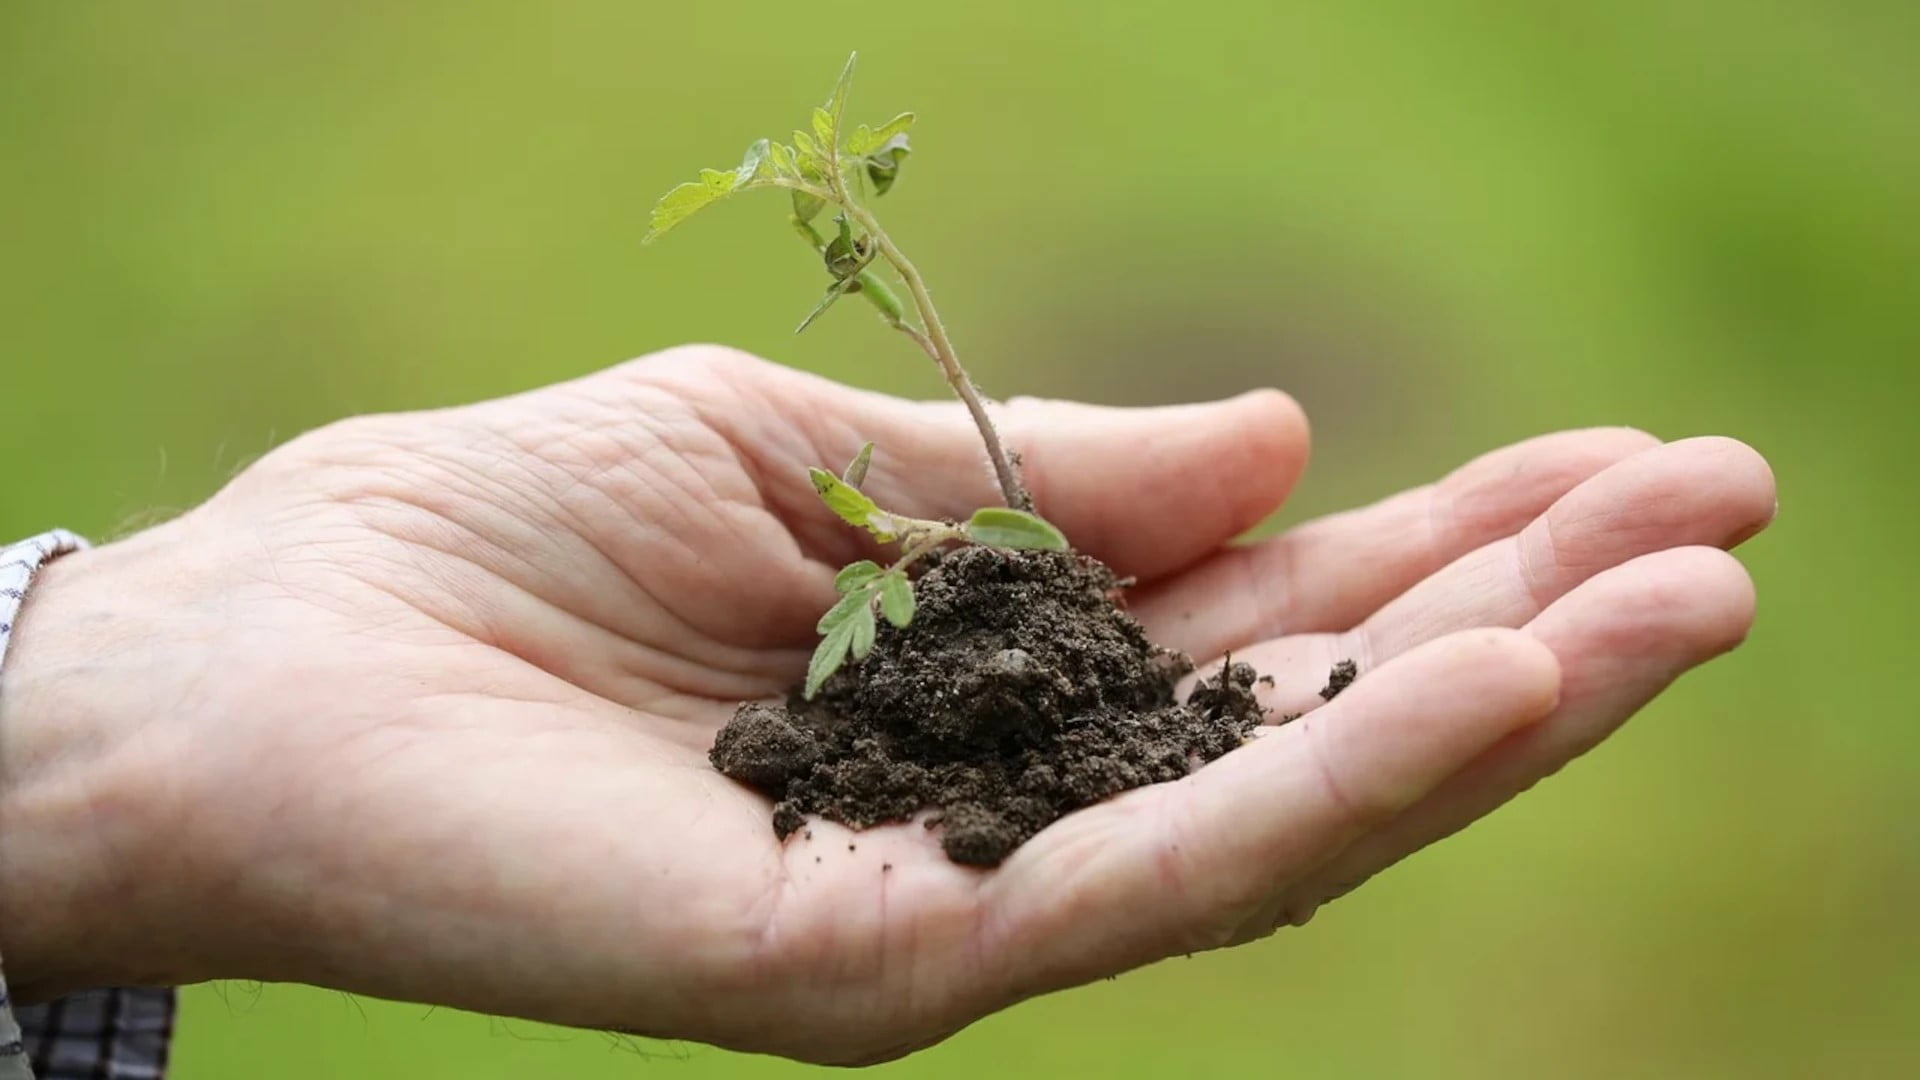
pixel 1020 692
pixel 1339 679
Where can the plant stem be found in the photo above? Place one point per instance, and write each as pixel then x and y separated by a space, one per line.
pixel 934 340
pixel 940 347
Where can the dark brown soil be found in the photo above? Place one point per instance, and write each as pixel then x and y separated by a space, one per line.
pixel 1339 679
pixel 1019 693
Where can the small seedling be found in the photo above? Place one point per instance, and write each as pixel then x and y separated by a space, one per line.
pixel 831 166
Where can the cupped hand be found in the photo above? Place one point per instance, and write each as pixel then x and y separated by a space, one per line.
pixel 418 706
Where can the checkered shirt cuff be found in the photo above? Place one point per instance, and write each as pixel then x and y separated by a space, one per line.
pixel 118 1034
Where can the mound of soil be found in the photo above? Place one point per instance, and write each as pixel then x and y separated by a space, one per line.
pixel 1019 693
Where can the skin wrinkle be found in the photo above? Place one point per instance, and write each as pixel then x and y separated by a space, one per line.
pixel 479 492
pixel 779 490
pixel 1441 516
pixel 1536 586
pixel 657 667
pixel 477 489
pixel 671 471
pixel 530 666
pixel 1174 857
pixel 1268 590
pixel 1324 772
pixel 781 486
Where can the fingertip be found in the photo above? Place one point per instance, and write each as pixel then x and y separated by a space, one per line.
pixel 1275 411
pixel 1692 603
pixel 1401 730
pixel 1098 472
pixel 1744 483
pixel 1511 673
pixel 1262 443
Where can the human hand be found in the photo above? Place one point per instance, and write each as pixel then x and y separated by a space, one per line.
pixel 418 706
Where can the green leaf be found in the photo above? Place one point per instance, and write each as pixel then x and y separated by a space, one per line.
pixel 896 599
pixel 828 656
pixel 854 575
pixel 782 156
pixel 863 632
pixel 805 144
pixel 855 473
pixel 853 507
pixel 883 164
pixel 834 292
pixel 861 139
pixel 840 254
pixel 837 101
pixel 750 166
pixel 843 609
pixel 998 526
pixel 823 129
pixel 677 206
pixel 684 201
pixel 896 126
pixel 807 207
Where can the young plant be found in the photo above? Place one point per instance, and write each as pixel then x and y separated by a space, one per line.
pixel 833 167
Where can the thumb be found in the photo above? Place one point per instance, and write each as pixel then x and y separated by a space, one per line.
pixel 1148 490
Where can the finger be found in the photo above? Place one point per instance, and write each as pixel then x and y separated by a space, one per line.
pixel 1710 491
pixel 1180 867
pixel 1148 490
pixel 1330 573
pixel 1621 638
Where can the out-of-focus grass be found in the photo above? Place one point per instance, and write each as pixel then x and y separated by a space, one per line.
pixel 1442 226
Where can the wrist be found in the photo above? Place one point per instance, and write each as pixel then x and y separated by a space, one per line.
pixel 77 780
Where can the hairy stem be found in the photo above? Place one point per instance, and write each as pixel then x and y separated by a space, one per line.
pixel 933 340
pixel 915 550
pixel 940 347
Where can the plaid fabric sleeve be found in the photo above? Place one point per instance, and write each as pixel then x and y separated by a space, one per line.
pixel 118 1034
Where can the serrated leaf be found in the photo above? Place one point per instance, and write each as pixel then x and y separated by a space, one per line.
pixel 782 156
pixel 896 126
pixel 847 501
pixel 837 101
pixel 828 656
pixel 834 292
pixel 823 128
pixel 999 526
pixel 804 143
pixel 855 473
pixel 896 599
pixel 860 140
pixel 720 180
pixel 751 164
pixel 863 631
pixel 843 609
pixel 677 206
pixel 854 575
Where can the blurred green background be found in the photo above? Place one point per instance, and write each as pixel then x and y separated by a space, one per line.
pixel 1442 226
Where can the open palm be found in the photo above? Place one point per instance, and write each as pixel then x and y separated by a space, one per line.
pixel 470 662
